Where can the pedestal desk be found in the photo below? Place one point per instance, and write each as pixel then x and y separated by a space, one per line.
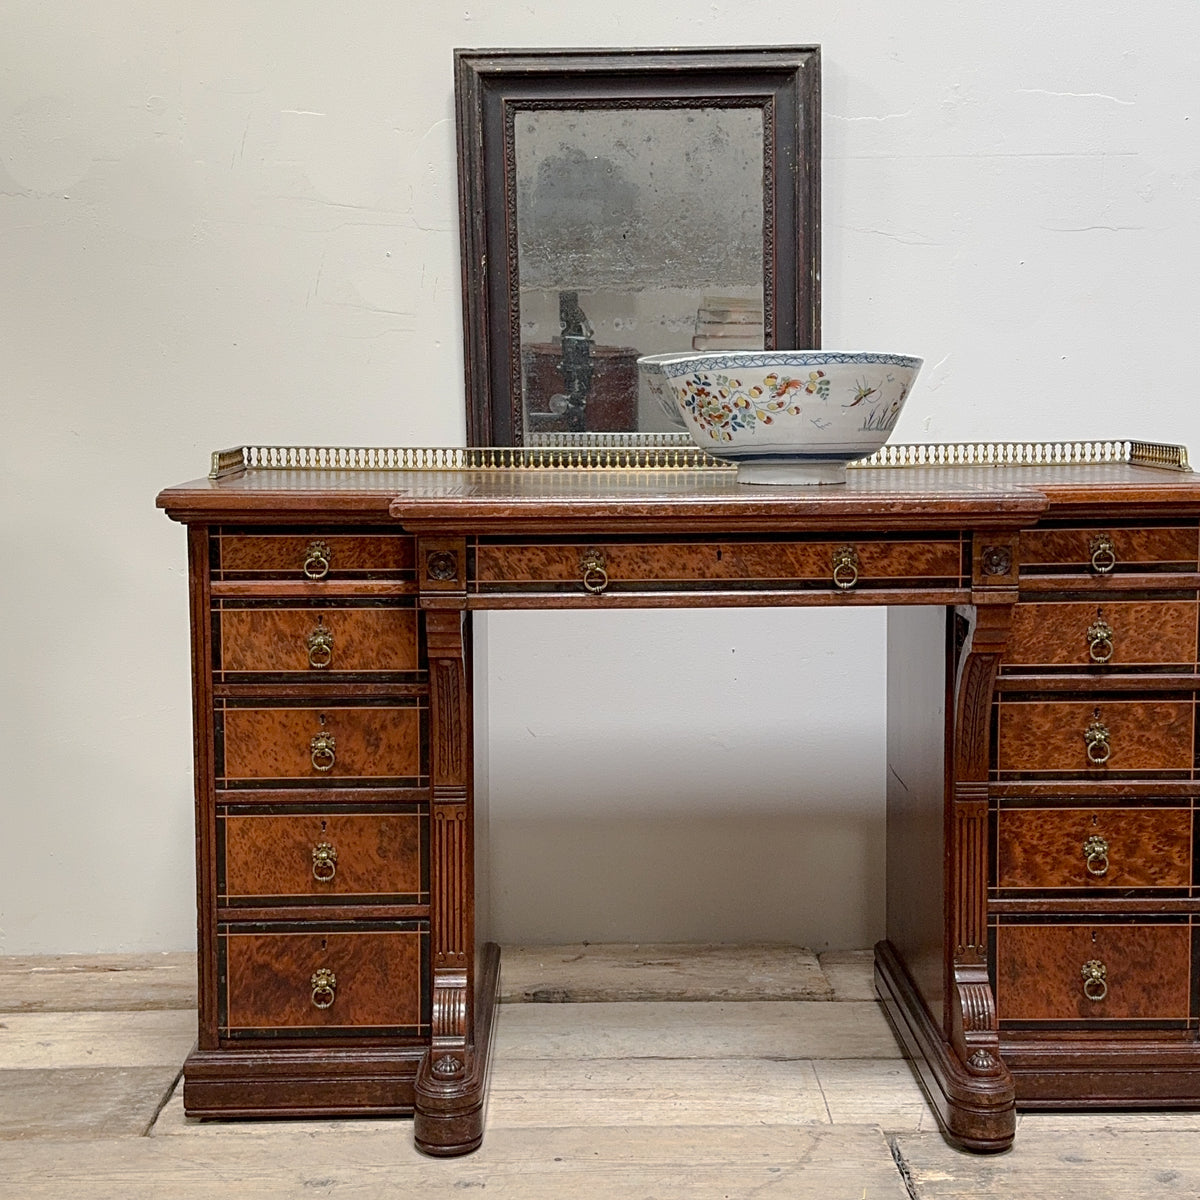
pixel 1043 907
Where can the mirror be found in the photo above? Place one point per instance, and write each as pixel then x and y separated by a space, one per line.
pixel 619 203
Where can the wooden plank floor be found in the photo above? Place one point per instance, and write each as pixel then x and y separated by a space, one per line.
pixel 628 1100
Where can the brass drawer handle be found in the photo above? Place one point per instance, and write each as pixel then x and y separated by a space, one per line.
pixel 1095 855
pixel 320 647
pixel 1104 554
pixel 1100 640
pixel 1095 981
pixel 322 751
pixel 324 988
pixel 845 567
pixel 316 560
pixel 324 862
pixel 592 570
pixel 1099 743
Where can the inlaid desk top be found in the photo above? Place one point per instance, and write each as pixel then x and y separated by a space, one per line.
pixel 698 500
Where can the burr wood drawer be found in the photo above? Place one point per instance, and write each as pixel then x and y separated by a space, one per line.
pixel 1118 634
pixel 1088 738
pixel 262 638
pixel 311 556
pixel 1093 972
pixel 638 566
pixel 321 744
pixel 318 856
pixel 1100 551
pixel 335 980
pixel 1096 848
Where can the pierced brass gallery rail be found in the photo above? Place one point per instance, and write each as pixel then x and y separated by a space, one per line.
pixel 669 452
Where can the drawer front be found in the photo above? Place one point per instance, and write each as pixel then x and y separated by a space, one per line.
pixel 313 557
pixel 284 981
pixel 1143 972
pixel 301 857
pixel 636 566
pixel 270 640
pixel 1058 737
pixel 320 744
pixel 1100 848
pixel 1100 551
pixel 1120 634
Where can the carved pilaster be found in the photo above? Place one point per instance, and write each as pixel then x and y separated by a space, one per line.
pixel 972 1008
pixel 451 864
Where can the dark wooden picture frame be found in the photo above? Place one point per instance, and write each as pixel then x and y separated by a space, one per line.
pixel 493 86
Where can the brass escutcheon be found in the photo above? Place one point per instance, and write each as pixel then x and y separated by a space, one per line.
pixel 1104 554
pixel 321 750
pixel 324 862
pixel 320 647
pixel 1098 741
pixel 316 560
pixel 1095 855
pixel 1095 980
pixel 1100 640
pixel 845 567
pixel 593 573
pixel 324 987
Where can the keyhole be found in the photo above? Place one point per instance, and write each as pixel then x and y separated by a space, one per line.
pixel 1095 821
pixel 325 944
pixel 321 716
pixel 1093 936
pixel 720 552
pixel 324 823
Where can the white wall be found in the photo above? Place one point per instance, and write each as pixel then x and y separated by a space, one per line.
pixel 230 222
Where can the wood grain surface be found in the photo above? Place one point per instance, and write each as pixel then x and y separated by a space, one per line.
pixel 1039 972
pixel 275 743
pixel 276 639
pixel 377 854
pixel 1043 847
pixel 1143 632
pixel 1145 735
pixel 268 979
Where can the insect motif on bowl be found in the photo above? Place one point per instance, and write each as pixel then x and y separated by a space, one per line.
pixel 723 406
pixel 861 392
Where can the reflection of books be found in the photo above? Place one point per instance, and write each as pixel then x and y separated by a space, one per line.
pixel 728 341
pixel 729 323
pixel 730 316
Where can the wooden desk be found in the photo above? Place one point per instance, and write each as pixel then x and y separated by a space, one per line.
pixel 1043 905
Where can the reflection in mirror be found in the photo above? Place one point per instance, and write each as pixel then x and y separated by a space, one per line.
pixel 640 231
pixel 625 202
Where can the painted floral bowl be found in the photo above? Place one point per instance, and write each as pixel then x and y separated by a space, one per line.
pixel 784 416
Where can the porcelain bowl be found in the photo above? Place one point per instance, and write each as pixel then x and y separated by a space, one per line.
pixel 784 416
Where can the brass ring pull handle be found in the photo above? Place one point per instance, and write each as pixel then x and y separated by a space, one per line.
pixel 1100 640
pixel 322 751
pixel 1099 743
pixel 1095 980
pixel 1095 855
pixel 320 647
pixel 316 560
pixel 324 862
pixel 593 573
pixel 845 567
pixel 324 988
pixel 1104 554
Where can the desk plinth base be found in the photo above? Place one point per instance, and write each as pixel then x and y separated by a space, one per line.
pixel 448 1117
pixel 976 1112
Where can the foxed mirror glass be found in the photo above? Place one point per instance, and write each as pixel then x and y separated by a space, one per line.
pixel 619 203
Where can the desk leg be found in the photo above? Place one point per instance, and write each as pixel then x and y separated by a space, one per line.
pixel 932 972
pixel 452 1079
pixel 450 1103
